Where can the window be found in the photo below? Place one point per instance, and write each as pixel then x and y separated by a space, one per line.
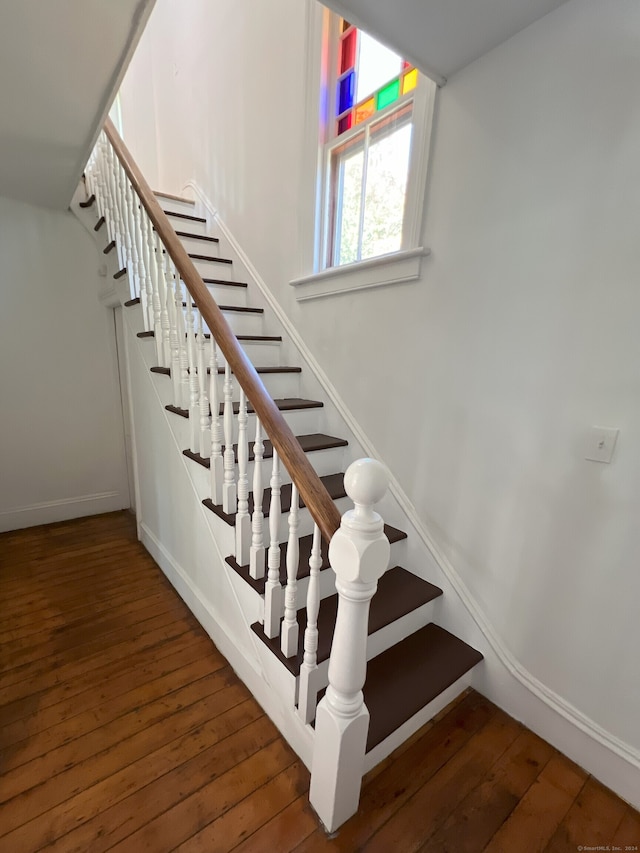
pixel 374 127
pixel 368 149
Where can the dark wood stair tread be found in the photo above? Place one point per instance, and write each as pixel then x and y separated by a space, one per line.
pixel 214 260
pixel 120 273
pixel 88 202
pixel 238 308
pixel 130 302
pixel 309 443
pixel 406 677
pixel 202 237
pixel 399 593
pixel 304 545
pixel 225 282
pixel 99 224
pixel 166 371
pixel 333 483
pixel 276 339
pixel 285 404
pixel 185 216
pixel 109 247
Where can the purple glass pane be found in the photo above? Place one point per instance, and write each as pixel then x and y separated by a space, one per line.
pixel 346 88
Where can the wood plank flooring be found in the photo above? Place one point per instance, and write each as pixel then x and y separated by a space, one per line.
pixel 123 728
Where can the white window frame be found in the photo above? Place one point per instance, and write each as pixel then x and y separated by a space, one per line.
pixel 317 280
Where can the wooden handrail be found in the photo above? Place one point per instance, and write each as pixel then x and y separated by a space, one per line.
pixel 311 488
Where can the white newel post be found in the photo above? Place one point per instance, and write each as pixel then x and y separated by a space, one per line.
pixel 359 555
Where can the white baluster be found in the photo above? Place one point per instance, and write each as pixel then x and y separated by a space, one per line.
pixel 289 635
pixel 205 435
pixel 272 588
pixel 128 239
pixel 175 312
pixel 166 297
pixel 194 412
pixel 135 271
pixel 109 205
pixel 157 262
pixel 182 340
pixel 309 681
pixel 256 553
pixel 117 216
pixel 89 181
pixel 99 175
pixel 216 468
pixel 123 252
pixel 229 485
pixel 359 555
pixel 243 520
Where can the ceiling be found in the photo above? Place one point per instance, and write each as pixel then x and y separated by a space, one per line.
pixel 61 62
pixel 442 36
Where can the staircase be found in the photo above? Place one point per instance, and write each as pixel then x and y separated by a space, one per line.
pixel 414 666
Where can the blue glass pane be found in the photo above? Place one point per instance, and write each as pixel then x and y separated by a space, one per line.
pixel 346 88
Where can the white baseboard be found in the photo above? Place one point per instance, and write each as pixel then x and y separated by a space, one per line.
pixel 64 509
pixel 611 760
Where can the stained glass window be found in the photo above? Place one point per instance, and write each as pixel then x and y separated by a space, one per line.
pixel 370 77
pixel 369 148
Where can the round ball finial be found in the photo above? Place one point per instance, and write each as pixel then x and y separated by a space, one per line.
pixel 366 481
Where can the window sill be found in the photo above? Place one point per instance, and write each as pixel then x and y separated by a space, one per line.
pixel 396 268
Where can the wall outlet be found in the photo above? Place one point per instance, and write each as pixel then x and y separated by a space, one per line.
pixel 601 442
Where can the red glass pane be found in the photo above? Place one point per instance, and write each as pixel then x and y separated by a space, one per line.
pixel 345 123
pixel 348 52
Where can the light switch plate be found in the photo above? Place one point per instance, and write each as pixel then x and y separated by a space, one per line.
pixel 601 443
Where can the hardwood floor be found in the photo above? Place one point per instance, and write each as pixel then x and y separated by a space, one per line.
pixel 123 728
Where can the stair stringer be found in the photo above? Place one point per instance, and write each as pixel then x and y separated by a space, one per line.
pixel 190 547
pixel 501 677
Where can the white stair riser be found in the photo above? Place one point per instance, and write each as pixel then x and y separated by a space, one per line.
pixel 175 205
pixel 228 294
pixel 244 323
pixel 195 246
pixel 180 224
pixel 279 385
pixel 265 353
pixel 300 421
pixel 211 269
pixel 324 462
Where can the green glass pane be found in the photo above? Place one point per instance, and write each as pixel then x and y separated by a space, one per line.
pixel 388 94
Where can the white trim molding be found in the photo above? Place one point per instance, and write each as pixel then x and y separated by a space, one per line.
pixel 63 509
pixel 396 268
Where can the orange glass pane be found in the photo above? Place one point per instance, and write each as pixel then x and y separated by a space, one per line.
pixel 365 110
pixel 409 81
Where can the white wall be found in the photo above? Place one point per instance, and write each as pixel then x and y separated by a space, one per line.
pixel 477 383
pixel 61 428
